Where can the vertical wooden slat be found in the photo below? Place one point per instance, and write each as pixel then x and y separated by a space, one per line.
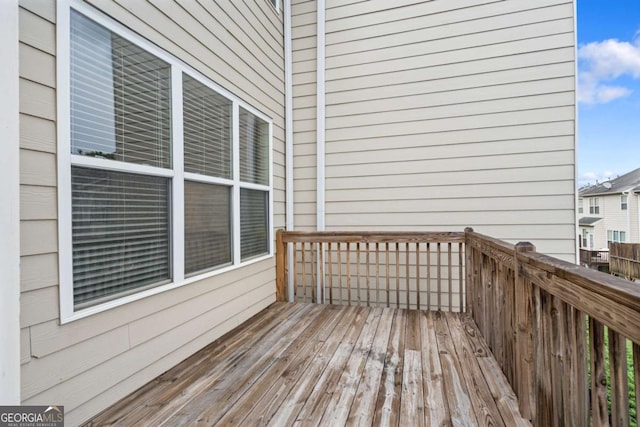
pixel 557 372
pixel 460 279
pixel 348 273
pixel 407 266
pixel 582 386
pixel 542 339
pixel 599 415
pixel 358 272
pixel 450 276
pixel 619 382
pixel 304 272
pixel 636 374
pixel 469 271
pixel 524 344
pixel 397 275
pixel 418 275
pixel 377 273
pixel 295 270
pixel 367 276
pixel 439 275
pixel 313 281
pixel 387 270
pixel 340 285
pixel 428 276
pixel 330 272
pixel 321 273
pixel 281 261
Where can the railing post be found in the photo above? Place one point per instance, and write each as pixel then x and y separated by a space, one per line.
pixel 468 268
pixel 281 250
pixel 524 315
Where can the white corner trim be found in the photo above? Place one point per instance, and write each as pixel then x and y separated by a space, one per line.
pixel 288 139
pixel 320 119
pixel 575 129
pixel 9 206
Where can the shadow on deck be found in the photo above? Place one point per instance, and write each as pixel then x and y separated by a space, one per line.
pixel 331 365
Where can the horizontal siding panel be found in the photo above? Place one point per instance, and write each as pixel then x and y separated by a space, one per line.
pixel 38 202
pixel 37 168
pixel 302 7
pixel 448 77
pixel 486 176
pixel 156 324
pixel 51 337
pixel 37 134
pixel 35 30
pixel 422 100
pixel 44 373
pixel 44 9
pixel 25 346
pixel 454 123
pixel 448 220
pixel 37 66
pixel 342 67
pixel 38 271
pixel 465 164
pixel 38 306
pixel 468 204
pixel 530 102
pixel 436 191
pixel 484 31
pixel 445 152
pixel 451 138
pixel 81 388
pixel 38 237
pixel 37 100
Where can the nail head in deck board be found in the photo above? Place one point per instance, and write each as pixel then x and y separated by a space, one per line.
pixel 295 363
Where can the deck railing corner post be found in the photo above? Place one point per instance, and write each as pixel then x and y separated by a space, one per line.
pixel 524 312
pixel 281 254
pixel 469 278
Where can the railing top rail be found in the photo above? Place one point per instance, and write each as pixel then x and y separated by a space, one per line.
pixel 372 236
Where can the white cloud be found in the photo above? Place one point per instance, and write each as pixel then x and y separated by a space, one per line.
pixel 593 177
pixel 605 61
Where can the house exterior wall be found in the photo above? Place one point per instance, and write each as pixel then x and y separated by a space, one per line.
pixel 614 218
pixel 442 115
pixel 90 363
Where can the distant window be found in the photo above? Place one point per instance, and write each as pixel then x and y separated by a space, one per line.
pixel 594 206
pixel 584 238
pixel 623 202
pixel 580 206
pixel 616 236
pixel 276 4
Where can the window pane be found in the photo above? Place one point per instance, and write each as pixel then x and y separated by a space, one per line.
pixel 207 220
pixel 254 149
pixel 120 233
pixel 120 98
pixel 254 236
pixel 207 130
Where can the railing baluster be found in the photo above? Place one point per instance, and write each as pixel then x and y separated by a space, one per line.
pixel 367 277
pixel 387 271
pixel 408 273
pixel 460 281
pixel 428 276
pixel 439 275
pixel 358 271
pixel 619 383
pixel 348 274
pixel 418 275
pixel 377 274
pixel 397 275
pixel 340 285
pixel 304 273
pixel 330 272
pixel 295 271
pixel 599 415
pixel 321 273
pixel 450 276
pixel 313 283
pixel 636 374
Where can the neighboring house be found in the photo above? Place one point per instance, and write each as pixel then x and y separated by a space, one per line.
pixel 151 149
pixel 609 212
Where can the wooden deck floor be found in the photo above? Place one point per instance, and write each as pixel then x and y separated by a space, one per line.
pixel 331 365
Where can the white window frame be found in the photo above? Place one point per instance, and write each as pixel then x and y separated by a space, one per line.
pixel 624 202
pixel 580 206
pixel 176 174
pixel 276 6
pixel 594 206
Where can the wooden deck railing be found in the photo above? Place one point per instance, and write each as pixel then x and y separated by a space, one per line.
pixel 554 328
pixel 592 258
pixel 566 337
pixel 402 270
pixel 625 260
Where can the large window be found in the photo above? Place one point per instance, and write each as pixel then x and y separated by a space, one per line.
pixel 616 236
pixel 594 206
pixel 165 178
pixel 624 200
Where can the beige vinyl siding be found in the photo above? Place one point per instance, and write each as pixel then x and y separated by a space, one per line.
pixel 304 54
pixel 89 364
pixel 447 114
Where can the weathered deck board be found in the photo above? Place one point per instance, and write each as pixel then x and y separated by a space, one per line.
pixel 330 365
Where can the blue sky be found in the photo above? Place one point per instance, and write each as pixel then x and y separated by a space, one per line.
pixel 609 88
